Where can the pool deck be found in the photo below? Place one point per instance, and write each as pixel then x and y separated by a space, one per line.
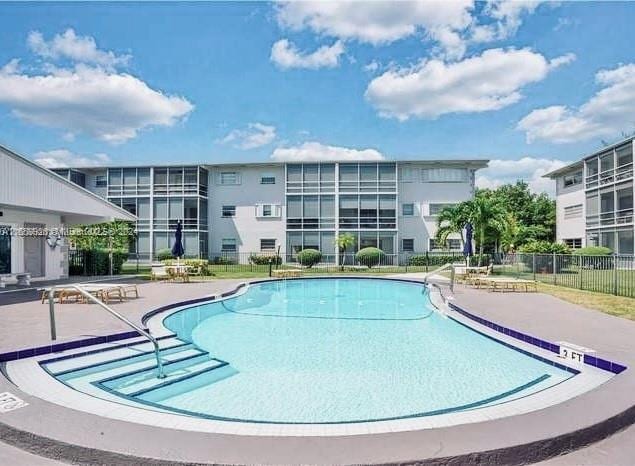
pixel 124 442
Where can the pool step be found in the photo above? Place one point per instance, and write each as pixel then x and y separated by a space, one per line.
pixel 61 366
pixel 140 383
pixel 138 363
pixel 194 381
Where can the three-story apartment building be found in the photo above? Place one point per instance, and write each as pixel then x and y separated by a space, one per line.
pixel 594 200
pixel 263 207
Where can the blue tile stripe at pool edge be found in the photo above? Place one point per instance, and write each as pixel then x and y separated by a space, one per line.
pixel 600 363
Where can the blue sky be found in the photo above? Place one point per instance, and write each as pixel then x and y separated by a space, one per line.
pixel 530 85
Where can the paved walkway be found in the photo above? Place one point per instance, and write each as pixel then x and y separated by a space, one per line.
pixel 27 324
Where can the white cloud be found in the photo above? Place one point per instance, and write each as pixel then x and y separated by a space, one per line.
pixel 432 88
pixel 528 169
pixel 609 111
pixel 286 55
pixel 69 45
pixel 382 22
pixel 58 158
pixel 507 18
pixel 452 25
pixel 110 106
pixel 315 151
pixel 372 66
pixel 255 135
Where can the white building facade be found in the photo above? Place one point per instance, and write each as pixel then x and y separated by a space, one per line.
pixel 35 207
pixel 594 200
pixel 266 207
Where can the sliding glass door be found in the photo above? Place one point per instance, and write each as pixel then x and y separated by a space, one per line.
pixel 5 249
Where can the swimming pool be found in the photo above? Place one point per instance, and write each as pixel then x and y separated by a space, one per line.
pixel 324 351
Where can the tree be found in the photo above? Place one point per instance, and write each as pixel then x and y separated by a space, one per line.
pixel 485 214
pixel 110 235
pixel 452 220
pixel 509 232
pixel 343 241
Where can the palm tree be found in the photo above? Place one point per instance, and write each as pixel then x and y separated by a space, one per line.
pixel 343 241
pixel 451 220
pixel 485 214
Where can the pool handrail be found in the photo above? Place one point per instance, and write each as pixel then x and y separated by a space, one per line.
pixel 87 295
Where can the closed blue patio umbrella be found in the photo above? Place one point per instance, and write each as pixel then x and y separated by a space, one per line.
pixel 178 250
pixel 467 247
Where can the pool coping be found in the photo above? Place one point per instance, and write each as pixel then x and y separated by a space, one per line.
pixel 541 435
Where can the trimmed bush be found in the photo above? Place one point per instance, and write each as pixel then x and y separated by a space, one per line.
pixel 369 256
pixel 593 251
pixel 164 254
pixel 265 259
pixel 544 247
pixel 309 257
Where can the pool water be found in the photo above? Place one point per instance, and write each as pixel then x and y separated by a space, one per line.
pixel 345 350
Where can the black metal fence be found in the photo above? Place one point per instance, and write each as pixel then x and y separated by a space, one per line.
pixel 604 274
pixel 95 262
pixel 347 263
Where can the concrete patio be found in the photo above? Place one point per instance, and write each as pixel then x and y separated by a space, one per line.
pixel 26 324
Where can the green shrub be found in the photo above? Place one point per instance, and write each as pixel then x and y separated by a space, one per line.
pixel 164 254
pixel 224 260
pixel 309 257
pixel 265 259
pixel 593 251
pixel 96 262
pixel 369 256
pixel 544 247
pixel 421 260
pixel 203 264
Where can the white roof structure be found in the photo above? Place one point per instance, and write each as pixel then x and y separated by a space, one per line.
pixel 26 185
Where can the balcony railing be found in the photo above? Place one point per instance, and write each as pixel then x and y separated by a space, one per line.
pixel 613 175
pixel 617 217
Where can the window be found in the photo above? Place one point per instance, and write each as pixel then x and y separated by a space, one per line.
pixel 435 209
pixel 408 174
pixel 407 210
pixel 573 211
pixel 572 179
pixel 444 175
pixel 228 245
pixel 101 181
pixel 267 244
pixel 267 179
pixel 573 243
pixel 408 245
pixel 228 178
pixel 268 210
pixel 5 249
pixel 229 211
pixel 451 244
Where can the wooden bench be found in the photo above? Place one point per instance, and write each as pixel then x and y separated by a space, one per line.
pixel 286 273
pixel 506 284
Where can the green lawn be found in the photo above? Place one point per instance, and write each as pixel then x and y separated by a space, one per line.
pixel 601 281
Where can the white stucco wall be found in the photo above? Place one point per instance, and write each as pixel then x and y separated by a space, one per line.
pixel 566 197
pixel 422 226
pixel 55 264
pixel 245 227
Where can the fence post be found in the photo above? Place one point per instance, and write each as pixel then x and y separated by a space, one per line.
pixel 614 274
pixel 581 269
pixel 554 268
pixel 427 261
pixel 533 265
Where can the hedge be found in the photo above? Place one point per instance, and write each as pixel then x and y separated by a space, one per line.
pixel 421 260
pixel 164 254
pixel 265 259
pixel 369 256
pixel 97 262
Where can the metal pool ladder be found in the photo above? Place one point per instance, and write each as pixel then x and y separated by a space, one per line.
pixel 87 295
